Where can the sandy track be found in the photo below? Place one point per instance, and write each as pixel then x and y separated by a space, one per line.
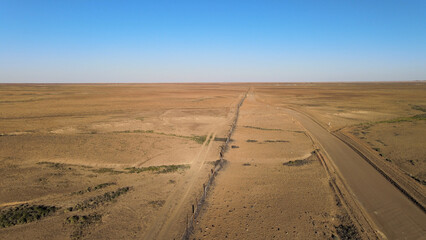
pixel 393 213
pixel 256 196
pixel 165 225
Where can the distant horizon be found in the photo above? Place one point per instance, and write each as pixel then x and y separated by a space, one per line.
pixel 221 41
pixel 223 82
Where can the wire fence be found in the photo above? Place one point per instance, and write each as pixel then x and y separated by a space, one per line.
pixel 196 207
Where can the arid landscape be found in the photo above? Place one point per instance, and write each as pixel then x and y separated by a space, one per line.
pixel 213 161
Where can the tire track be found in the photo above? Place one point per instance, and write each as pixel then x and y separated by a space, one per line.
pixel 173 205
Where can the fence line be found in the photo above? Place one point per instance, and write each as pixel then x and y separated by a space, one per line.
pixel 196 207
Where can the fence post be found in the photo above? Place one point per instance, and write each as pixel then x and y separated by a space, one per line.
pixel 212 174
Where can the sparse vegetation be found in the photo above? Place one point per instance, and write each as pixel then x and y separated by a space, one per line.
pixel 97 187
pixel 24 214
pixel 296 163
pixel 135 131
pixel 264 129
pixel 419 108
pixel 198 139
pixel 81 222
pixel 417 117
pixel 347 232
pixel 94 202
pixel 251 140
pixel 157 203
pixel 367 125
pixel 143 131
pixel 158 169
pixel 62 166
pixel 83 219
pixel 246 164
pixel 276 141
pixel 106 170
pixel 59 166
pixel 208 141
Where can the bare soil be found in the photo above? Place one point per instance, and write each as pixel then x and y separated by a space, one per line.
pixel 262 195
pixel 390 117
pixel 57 141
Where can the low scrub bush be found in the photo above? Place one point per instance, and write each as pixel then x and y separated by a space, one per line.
pixel 80 222
pixel 296 162
pixel 106 170
pixel 264 129
pixel 157 169
pixel 276 141
pixel 24 214
pixel 94 202
pixel 97 187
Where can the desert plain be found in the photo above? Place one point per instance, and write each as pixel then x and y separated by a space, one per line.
pixel 281 161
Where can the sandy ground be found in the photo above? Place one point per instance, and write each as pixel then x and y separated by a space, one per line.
pixel 379 114
pixel 257 197
pixel 60 139
pixel 56 140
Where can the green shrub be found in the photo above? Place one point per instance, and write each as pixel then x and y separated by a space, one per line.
pixel 94 202
pixel 276 141
pixel 419 108
pixel 80 222
pixel 97 187
pixel 83 219
pixel 157 169
pixel 264 129
pixel 106 170
pixel 296 162
pixel 24 214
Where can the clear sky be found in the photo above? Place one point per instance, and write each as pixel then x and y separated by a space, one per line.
pixel 212 40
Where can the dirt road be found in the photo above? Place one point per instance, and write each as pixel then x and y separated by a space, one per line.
pixel 393 213
pixel 170 222
pixel 256 196
pixel 165 226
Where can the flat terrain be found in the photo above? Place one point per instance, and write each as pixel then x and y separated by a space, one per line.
pixel 272 186
pixel 389 117
pixel 59 143
pixel 394 214
pixel 127 161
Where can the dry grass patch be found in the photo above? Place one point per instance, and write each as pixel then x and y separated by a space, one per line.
pixel 80 222
pixel 157 203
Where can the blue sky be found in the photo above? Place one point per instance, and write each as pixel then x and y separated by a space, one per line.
pixel 212 41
